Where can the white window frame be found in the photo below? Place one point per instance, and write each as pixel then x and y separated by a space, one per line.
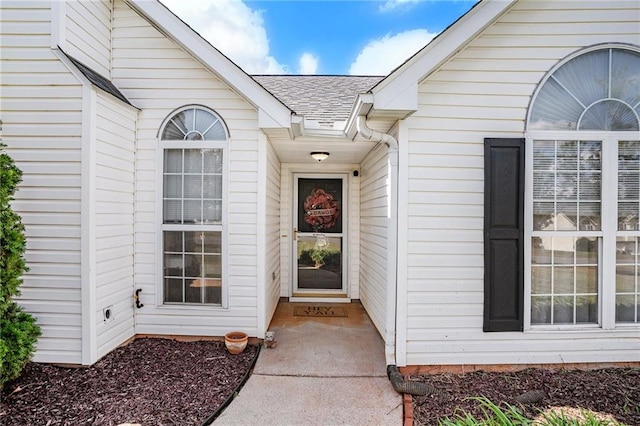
pixel 223 228
pixel 607 234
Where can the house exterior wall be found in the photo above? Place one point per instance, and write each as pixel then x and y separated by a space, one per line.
pixel 272 233
pixel 157 76
pixel 484 91
pixel 87 34
pixel 114 213
pixel 42 115
pixel 374 219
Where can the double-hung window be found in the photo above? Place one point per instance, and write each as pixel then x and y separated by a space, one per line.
pixel 193 146
pixel 584 192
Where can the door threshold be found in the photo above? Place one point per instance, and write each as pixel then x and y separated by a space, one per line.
pixel 319 298
pixel 305 294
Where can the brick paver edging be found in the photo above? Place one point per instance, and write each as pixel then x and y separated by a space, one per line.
pixel 407 402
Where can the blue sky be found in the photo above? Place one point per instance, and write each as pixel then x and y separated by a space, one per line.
pixel 319 37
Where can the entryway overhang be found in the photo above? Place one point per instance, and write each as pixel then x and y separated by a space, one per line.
pixel 312 136
pixel 340 138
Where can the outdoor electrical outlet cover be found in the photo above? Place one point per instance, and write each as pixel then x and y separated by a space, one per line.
pixel 107 313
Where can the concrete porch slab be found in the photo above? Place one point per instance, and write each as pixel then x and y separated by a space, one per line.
pixel 323 371
pixel 281 400
pixel 324 347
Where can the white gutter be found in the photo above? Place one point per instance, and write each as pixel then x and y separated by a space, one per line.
pixel 392 234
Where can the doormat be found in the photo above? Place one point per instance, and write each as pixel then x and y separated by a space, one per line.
pixel 319 311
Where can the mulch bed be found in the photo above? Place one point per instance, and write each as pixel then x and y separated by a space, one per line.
pixel 614 391
pixel 149 381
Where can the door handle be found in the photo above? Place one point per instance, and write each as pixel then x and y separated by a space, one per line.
pixel 295 234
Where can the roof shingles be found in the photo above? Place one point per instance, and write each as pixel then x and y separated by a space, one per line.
pixel 98 80
pixel 318 97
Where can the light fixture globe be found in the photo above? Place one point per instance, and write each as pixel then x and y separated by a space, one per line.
pixel 319 156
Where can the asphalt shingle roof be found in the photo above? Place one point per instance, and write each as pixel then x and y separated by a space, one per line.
pixel 324 98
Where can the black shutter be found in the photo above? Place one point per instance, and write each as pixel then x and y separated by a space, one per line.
pixel 503 234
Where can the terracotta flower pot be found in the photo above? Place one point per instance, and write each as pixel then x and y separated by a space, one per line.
pixel 236 341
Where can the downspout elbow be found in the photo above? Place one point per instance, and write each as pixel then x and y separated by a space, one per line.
pixel 368 133
pixel 401 385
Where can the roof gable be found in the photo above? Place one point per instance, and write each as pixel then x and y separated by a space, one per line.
pixel 398 91
pixel 272 113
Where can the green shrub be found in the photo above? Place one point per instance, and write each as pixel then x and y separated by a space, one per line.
pixel 19 336
pixel 18 330
pixel 494 415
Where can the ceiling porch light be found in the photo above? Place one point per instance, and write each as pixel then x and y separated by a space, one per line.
pixel 319 156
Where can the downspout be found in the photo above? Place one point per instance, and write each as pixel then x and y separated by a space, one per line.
pixel 399 384
pixel 392 234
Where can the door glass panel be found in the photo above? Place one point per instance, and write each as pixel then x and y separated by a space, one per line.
pixel 320 239
pixel 320 262
pixel 319 205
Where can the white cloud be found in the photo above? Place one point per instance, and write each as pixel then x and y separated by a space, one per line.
pixel 382 55
pixel 308 64
pixel 233 28
pixel 390 5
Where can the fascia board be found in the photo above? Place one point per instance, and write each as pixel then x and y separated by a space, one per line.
pixel 403 98
pixel 165 21
pixel 266 120
pixel 393 91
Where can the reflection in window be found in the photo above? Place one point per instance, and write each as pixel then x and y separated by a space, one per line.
pixel 192 186
pixel 628 185
pixel 566 185
pixel 192 267
pixel 564 280
pixel 627 259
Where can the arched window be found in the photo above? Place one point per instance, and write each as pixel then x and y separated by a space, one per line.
pixel 598 90
pixel 193 142
pixel 194 124
pixel 583 142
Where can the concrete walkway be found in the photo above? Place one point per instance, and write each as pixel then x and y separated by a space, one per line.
pixel 324 371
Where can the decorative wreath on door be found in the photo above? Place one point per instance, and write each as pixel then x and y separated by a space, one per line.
pixel 321 211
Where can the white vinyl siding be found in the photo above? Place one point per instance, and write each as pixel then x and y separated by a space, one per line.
pixel 374 218
pixel 114 197
pixel 88 34
pixel 353 228
pixel 41 114
pixel 484 91
pixel 158 76
pixel 272 233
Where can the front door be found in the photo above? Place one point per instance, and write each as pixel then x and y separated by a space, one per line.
pixel 319 236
